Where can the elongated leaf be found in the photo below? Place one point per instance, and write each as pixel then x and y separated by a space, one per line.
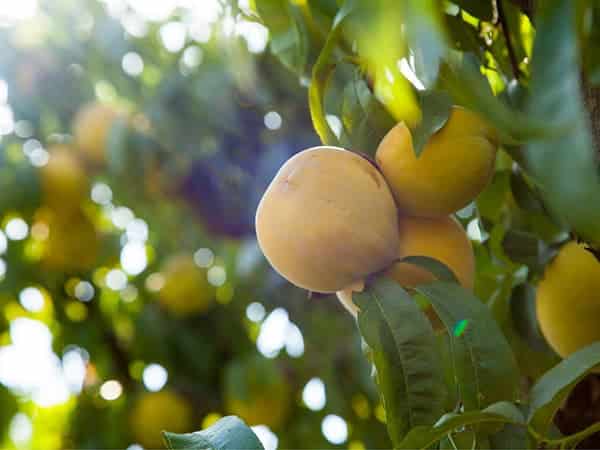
pixel 553 388
pixel 405 355
pixel 422 437
pixel 365 119
pixel 229 433
pixel 469 87
pixel 435 110
pixel 526 248
pixel 437 268
pixel 510 436
pixel 425 36
pixel 485 368
pixel 564 166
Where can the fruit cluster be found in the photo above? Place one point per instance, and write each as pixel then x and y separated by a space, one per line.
pixel 330 217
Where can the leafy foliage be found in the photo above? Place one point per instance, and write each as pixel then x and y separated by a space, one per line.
pixel 209 115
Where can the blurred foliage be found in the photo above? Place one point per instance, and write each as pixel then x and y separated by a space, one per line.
pixel 135 133
pixel 108 164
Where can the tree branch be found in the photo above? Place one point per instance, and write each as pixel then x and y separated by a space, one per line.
pixel 591 97
pixel 511 51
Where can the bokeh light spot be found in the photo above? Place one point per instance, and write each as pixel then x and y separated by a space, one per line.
pixel 16 229
pixel 74 367
pixel 3 91
pixel 255 312
pixel 21 429
pixel 155 11
pixel 39 157
pixel 335 429
pixel 154 377
pixel 130 293
pixel 3 242
pixel 172 36
pixel 121 217
pixel 133 258
pixel 273 120
pixel 255 34
pixel 116 280
pixel 273 331
pixel 204 257
pixel 101 194
pixel 137 230
pixel 7 123
pixel 155 282
pixel 266 437
pixel 192 56
pixel 111 390
pixel 84 291
pixel 2 268
pixel 31 299
pixel 23 129
pixel 313 394
pixel 294 341
pixel 132 64
pixel 217 276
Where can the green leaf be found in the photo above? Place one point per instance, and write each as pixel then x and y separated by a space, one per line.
pixel 425 36
pixel 510 436
pixel 485 368
pixel 437 268
pixel 229 433
pixel 563 166
pixel 463 79
pixel 526 248
pixel 463 36
pixel 435 109
pixel 423 437
pixel 548 394
pixel 405 355
pixel 365 119
pixel 524 318
pixel 524 194
pixel 289 36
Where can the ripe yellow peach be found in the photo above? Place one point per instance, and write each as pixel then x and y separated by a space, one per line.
pixel 453 168
pixel 64 181
pixel 72 245
pixel 156 412
pixel 327 220
pixel 91 129
pixel 568 300
pixel 442 239
pixel 186 290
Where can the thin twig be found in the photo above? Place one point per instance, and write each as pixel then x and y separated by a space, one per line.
pixel 511 51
